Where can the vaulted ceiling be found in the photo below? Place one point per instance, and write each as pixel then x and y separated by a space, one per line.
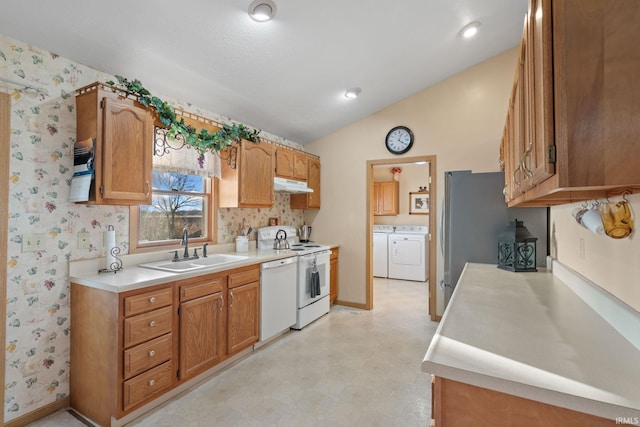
pixel 286 76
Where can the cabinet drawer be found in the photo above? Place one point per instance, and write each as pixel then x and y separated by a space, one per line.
pixel 147 301
pixel 195 290
pixel 244 277
pixel 144 356
pixel 146 385
pixel 145 326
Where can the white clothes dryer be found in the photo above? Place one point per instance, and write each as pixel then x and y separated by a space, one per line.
pixel 409 253
pixel 380 249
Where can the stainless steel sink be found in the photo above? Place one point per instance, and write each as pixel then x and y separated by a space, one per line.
pixel 218 259
pixel 173 267
pixel 196 264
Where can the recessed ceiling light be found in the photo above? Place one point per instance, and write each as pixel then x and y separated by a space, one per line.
pixel 262 10
pixel 469 30
pixel 353 93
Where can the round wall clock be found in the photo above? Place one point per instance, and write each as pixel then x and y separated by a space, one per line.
pixel 399 140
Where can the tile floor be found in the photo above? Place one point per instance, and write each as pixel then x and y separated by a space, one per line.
pixel 349 368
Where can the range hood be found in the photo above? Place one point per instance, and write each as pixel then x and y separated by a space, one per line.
pixel 283 185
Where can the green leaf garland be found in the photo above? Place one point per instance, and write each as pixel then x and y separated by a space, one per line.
pixel 201 140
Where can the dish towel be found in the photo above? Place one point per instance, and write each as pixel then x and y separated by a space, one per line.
pixel 315 281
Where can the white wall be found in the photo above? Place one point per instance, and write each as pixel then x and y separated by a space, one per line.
pixel 460 120
pixel 613 264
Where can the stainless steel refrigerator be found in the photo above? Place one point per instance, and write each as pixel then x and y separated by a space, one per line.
pixel 474 213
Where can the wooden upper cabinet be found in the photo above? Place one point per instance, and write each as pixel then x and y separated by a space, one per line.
pixel 291 164
pixel 300 166
pixel 541 147
pixel 579 101
pixel 309 200
pixel 123 132
pixel 386 198
pixel 250 184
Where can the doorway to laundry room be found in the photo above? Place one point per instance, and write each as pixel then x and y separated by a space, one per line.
pixel 400 239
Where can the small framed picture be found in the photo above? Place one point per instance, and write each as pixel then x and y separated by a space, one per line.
pixel 419 203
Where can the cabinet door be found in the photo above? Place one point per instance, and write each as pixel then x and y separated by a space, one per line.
pixel 313 170
pixel 202 334
pixel 300 167
pixel 376 198
pixel 127 150
pixel 389 198
pixel 518 174
pixel 540 103
pixel 333 275
pixel 243 315
pixel 285 163
pixel 256 174
pixel 385 196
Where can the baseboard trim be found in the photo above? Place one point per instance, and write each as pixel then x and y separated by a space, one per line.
pixel 351 304
pixel 39 413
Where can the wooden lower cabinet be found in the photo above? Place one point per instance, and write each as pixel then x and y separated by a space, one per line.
pixel 202 318
pixel 243 310
pixel 457 404
pixel 333 275
pixel 123 352
pixel 129 348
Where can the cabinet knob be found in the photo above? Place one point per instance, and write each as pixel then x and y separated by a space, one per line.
pixel 152 300
pixel 152 353
pixel 152 323
pixel 152 383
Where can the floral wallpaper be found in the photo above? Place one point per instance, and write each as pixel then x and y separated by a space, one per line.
pixel 230 219
pixel 43 123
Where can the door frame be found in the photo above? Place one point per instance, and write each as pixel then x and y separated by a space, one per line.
pixel 431 159
pixel 5 133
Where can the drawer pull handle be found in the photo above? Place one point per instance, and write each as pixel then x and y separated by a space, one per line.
pixel 152 323
pixel 152 300
pixel 152 383
pixel 221 302
pixel 152 353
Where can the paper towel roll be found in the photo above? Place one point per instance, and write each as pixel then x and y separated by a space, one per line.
pixel 109 244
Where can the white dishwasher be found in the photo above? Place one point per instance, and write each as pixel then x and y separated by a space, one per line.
pixel 278 295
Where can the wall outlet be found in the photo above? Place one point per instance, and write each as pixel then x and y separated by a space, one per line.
pixel 84 240
pixel 33 242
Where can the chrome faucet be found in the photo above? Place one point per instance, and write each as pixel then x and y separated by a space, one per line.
pixel 185 242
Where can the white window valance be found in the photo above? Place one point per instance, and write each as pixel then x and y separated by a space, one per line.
pixel 185 160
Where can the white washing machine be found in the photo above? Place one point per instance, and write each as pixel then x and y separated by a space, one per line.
pixel 409 253
pixel 380 247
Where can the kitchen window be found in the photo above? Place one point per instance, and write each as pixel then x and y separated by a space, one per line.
pixel 182 197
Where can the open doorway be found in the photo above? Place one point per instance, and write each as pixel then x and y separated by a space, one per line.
pixel 427 179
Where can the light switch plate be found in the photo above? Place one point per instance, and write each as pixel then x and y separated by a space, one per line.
pixel 33 242
pixel 84 240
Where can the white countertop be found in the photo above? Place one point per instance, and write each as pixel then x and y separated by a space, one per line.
pixel 133 277
pixel 530 335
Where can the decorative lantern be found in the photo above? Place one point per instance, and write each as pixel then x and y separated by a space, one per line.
pixel 517 248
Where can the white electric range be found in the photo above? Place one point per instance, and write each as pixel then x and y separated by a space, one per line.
pixel 312 302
